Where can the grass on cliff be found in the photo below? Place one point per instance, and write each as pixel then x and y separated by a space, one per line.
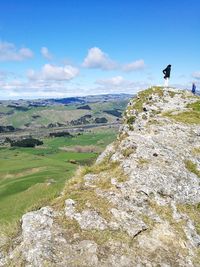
pixel 83 194
pixel 192 167
pixel 193 211
pixel 191 116
pixel 196 151
pixel 165 212
pixel 86 197
pixel 145 97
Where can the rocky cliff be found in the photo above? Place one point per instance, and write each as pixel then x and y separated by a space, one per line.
pixel 138 205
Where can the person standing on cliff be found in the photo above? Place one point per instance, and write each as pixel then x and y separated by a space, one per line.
pixel 193 88
pixel 166 72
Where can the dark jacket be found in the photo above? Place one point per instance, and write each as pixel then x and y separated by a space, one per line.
pixel 167 72
pixel 193 88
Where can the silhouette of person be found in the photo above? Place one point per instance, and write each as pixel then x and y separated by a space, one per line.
pixel 193 88
pixel 166 72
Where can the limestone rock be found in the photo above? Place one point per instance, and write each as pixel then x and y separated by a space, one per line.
pixel 87 219
pixel 143 210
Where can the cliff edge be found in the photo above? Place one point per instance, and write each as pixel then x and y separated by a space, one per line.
pixel 138 205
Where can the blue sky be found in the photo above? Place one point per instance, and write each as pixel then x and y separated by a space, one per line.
pixel 63 48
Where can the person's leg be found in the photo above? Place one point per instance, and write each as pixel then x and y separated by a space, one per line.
pixel 166 82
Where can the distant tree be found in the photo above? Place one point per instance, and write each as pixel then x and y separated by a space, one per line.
pixel 87 107
pixel 101 120
pixel 26 142
pixel 8 128
pixel 114 112
pixel 60 134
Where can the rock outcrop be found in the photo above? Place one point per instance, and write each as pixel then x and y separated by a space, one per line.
pixel 138 205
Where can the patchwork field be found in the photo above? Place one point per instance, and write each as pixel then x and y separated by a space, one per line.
pixel 31 177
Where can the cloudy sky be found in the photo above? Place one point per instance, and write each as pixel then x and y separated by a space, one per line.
pixel 60 48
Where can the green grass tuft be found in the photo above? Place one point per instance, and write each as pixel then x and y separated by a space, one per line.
pixel 131 120
pixel 128 151
pixel 192 167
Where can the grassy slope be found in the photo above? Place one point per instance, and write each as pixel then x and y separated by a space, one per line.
pixel 60 114
pixel 48 115
pixel 30 177
pixel 190 116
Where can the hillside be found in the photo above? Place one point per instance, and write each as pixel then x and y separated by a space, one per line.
pixel 49 113
pixel 138 205
pixel 31 177
pixel 43 117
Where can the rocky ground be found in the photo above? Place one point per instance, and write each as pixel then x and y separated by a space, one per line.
pixel 138 205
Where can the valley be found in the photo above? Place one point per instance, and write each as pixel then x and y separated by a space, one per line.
pixel 71 136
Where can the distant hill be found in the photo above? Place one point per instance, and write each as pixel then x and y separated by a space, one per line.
pixel 68 100
pixel 41 114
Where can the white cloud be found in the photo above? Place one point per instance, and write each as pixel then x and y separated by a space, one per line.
pixel 51 72
pixel 133 66
pixel 196 75
pixel 114 81
pixel 45 53
pixel 33 89
pixel 118 84
pixel 96 58
pixel 9 52
pixel 14 84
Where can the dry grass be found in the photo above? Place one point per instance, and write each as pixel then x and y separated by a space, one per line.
pixel 9 232
pixel 165 212
pixel 188 117
pixel 88 196
pixel 142 161
pixel 192 116
pixel 120 175
pixel 82 149
pixel 74 183
pixel 128 151
pixel 193 211
pixel 100 237
pixel 197 258
pixel 75 189
pixel 122 136
pixel 103 166
pixel 196 151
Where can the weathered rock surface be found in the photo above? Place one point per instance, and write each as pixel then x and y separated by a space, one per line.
pixel 137 206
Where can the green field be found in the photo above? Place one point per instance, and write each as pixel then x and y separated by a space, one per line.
pixel 32 177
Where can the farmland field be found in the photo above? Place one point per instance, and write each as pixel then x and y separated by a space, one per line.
pixel 32 177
